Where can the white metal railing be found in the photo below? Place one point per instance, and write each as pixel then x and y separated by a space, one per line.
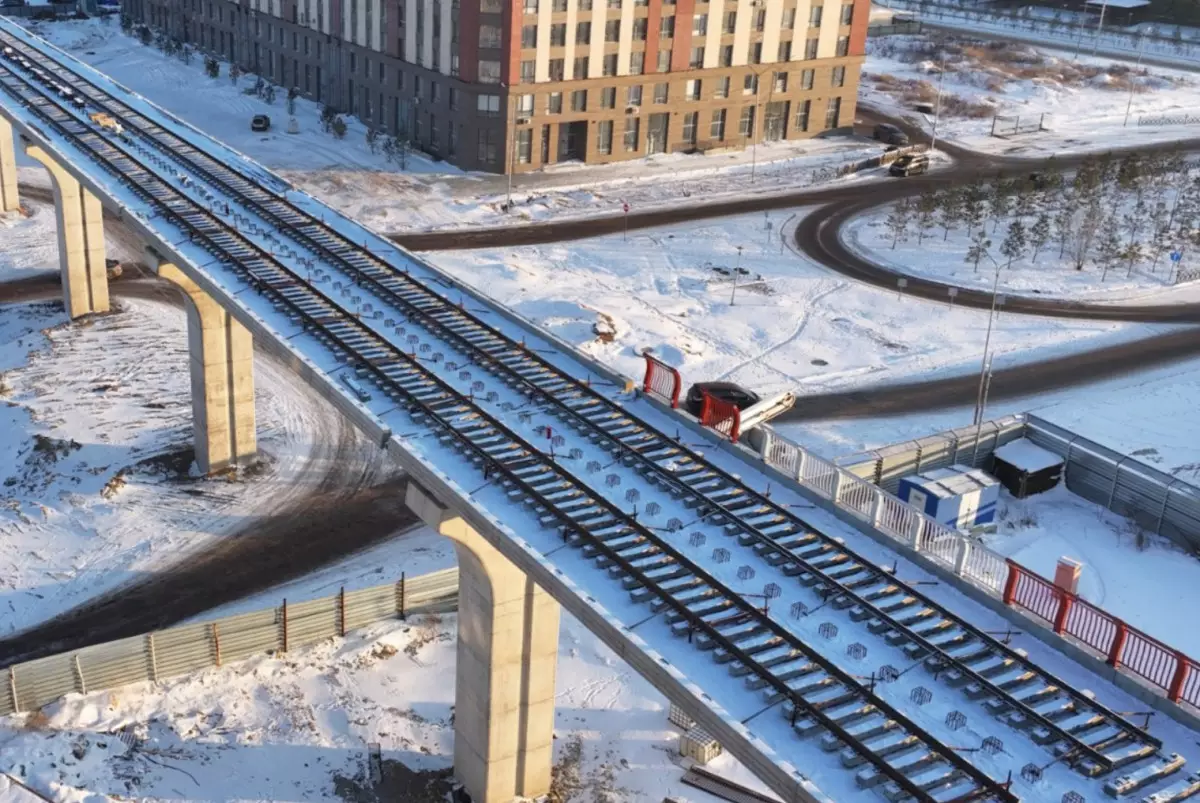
pixel 886 513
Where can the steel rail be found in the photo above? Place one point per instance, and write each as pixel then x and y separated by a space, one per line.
pixel 496 366
pixel 86 139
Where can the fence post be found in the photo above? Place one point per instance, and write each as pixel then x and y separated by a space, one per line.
pixel 79 674
pixel 12 687
pixel 1162 512
pixel 403 611
pixel 216 639
pixel 837 485
pixel 1065 601
pixel 877 509
pixel 960 559
pixel 1118 644
pixel 285 625
pixel 1181 673
pixel 342 612
pixel 915 535
pixel 153 657
pixel 1010 584
pixel 1112 492
pixel 801 454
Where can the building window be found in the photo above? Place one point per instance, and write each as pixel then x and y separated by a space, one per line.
pixel 760 20
pixel 434 91
pixel 525 146
pixel 814 16
pixel 558 34
pixel 722 88
pixel 789 19
pixel 608 97
pixel 559 5
pixel 785 51
pixel 806 79
pixel 746 123
pixel 452 141
pixel 585 5
pixel 579 100
pixel 631 134
pixel 697 60
pixel 716 130
pixel 802 110
pixel 664 61
pixel 610 64
pixel 488 105
pixel 832 111
pixel 810 49
pixel 689 127
pixel 531 6
pixel 843 46
pixel 661 92
pixel 633 96
pixel 487 146
pixel 639 29
pixel 489 72
pixel 700 25
pixel 554 103
pixel 750 84
pixel 692 90
pixel 838 77
pixel 612 31
pixel 727 55
pixel 558 69
pixel 487 6
pixel 637 63
pixel 780 84
pixel 528 71
pixel 730 22
pixel 581 68
pixel 666 29
pixel 756 53
pixel 528 36
pixel 847 13
pixel 525 105
pixel 583 33
pixel 604 135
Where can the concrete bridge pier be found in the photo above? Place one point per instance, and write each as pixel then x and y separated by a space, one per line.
pixel 222 364
pixel 507 656
pixel 9 201
pixel 80 239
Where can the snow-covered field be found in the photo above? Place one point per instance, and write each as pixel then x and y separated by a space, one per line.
pixel 296 727
pixel 1084 99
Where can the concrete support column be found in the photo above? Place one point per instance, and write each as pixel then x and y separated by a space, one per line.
pixel 9 202
pixel 507 655
pixel 222 361
pixel 80 240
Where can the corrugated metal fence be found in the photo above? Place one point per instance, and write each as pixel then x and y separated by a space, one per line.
pixel 189 648
pixel 1158 502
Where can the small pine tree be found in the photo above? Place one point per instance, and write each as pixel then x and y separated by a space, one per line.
pixel 1132 253
pixel 327 115
pixel 1108 251
pixel 235 72
pixel 1026 199
pixel 1064 219
pixel 269 94
pixel 950 210
pixel 1014 241
pixel 338 127
pixel 973 199
pixel 126 22
pixel 1039 234
pixel 145 36
pixel 293 93
pixel 373 141
pixel 212 67
pixel 927 206
pixel 898 221
pixel 978 248
pixel 999 201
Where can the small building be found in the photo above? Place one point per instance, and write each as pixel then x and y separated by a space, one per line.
pixel 697 745
pixel 1026 468
pixel 958 496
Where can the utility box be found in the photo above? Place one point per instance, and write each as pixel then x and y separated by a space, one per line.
pixel 679 719
pixel 1066 574
pixel 697 745
pixel 1026 468
pixel 958 496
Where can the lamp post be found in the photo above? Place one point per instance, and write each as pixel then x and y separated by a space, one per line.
pixel 937 109
pixel 1129 105
pixel 985 368
pixel 736 270
pixel 511 161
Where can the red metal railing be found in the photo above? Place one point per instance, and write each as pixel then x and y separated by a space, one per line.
pixel 662 380
pixel 723 416
pixel 1121 646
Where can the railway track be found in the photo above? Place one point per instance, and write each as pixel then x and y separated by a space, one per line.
pixel 440 390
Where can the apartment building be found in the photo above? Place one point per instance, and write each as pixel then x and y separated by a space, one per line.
pixel 499 84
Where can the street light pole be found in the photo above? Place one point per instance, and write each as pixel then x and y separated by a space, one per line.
pixel 937 109
pixel 1129 105
pixel 987 344
pixel 754 130
pixel 736 270
pixel 512 149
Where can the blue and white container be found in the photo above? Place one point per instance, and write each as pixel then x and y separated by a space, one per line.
pixel 958 496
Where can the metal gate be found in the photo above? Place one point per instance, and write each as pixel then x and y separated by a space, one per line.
pixel 656 133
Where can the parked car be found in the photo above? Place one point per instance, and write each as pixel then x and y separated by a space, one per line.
pixel 913 164
pixel 890 134
pixel 11 3
pixel 725 391
pixel 260 122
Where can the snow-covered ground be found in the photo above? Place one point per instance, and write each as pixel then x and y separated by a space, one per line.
pixel 296 727
pixel 1084 99
pixel 793 325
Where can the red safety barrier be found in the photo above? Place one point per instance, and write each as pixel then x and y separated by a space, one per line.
pixel 723 416
pixel 1120 644
pixel 662 380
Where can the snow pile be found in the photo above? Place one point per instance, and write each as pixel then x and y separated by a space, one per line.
pixel 297 727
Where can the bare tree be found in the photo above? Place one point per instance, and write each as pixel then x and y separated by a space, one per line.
pixel 978 248
pixel 1014 241
pixel 927 205
pixel 1108 251
pixel 1039 234
pixel 950 210
pixel 898 220
pixel 999 202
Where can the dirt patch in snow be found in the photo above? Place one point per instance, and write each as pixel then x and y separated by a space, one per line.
pixel 396 782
